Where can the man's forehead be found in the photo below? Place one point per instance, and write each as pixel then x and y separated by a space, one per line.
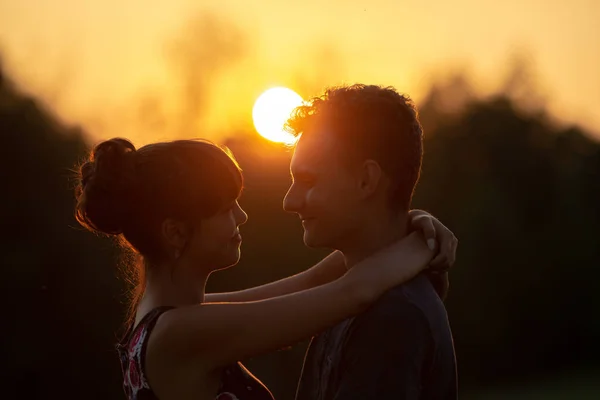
pixel 313 152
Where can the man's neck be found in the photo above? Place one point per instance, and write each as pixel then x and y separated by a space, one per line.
pixel 374 236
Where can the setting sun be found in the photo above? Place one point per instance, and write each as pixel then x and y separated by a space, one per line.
pixel 271 110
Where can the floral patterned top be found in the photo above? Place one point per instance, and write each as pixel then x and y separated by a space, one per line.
pixel 237 383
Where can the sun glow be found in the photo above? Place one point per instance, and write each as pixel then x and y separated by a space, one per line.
pixel 271 110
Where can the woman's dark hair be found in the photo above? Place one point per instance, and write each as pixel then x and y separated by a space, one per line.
pixel 128 193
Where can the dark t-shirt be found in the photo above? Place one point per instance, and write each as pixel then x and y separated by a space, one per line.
pixel 400 348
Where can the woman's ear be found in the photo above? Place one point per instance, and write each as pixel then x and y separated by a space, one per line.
pixel 175 234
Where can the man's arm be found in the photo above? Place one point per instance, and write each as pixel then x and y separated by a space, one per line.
pixel 386 355
pixel 328 269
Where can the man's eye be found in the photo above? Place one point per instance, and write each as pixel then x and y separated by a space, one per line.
pixel 303 180
pixel 307 180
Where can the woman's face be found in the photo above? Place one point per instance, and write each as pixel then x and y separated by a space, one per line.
pixel 216 240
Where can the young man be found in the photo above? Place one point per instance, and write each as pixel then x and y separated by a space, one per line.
pixel 354 171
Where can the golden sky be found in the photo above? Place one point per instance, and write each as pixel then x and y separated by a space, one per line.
pixel 154 69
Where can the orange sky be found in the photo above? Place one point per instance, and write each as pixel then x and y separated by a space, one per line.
pixel 155 69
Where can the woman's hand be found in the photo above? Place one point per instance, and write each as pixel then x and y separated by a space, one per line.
pixel 439 238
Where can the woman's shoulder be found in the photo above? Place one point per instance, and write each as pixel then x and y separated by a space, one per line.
pixel 132 354
pixel 138 330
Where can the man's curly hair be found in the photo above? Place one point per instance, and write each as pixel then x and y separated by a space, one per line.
pixel 374 122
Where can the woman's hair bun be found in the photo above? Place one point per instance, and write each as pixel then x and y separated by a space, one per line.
pixel 106 187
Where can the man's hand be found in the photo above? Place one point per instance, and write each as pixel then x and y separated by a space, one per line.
pixel 439 238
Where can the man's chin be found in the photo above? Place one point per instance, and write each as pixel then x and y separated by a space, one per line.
pixel 313 242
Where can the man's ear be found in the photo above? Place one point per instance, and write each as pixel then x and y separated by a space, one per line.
pixel 370 175
pixel 175 234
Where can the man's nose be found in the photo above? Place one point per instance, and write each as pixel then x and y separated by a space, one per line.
pixel 241 216
pixel 292 202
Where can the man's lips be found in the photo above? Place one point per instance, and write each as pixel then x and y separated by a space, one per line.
pixel 306 221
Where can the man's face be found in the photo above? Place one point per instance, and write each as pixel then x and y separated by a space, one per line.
pixel 324 192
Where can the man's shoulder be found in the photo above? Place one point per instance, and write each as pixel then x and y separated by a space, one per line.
pixel 415 301
pixel 390 325
pixel 394 305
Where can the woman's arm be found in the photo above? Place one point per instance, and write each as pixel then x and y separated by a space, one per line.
pixel 328 269
pixel 214 335
pixel 439 238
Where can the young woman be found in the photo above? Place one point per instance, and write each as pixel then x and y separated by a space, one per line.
pixel 175 204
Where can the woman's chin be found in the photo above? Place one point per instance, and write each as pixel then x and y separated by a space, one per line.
pixel 235 261
pixel 231 261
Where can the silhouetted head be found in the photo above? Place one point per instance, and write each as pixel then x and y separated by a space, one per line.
pixel 166 201
pixel 359 152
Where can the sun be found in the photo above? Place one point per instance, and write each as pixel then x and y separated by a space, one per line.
pixel 271 110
